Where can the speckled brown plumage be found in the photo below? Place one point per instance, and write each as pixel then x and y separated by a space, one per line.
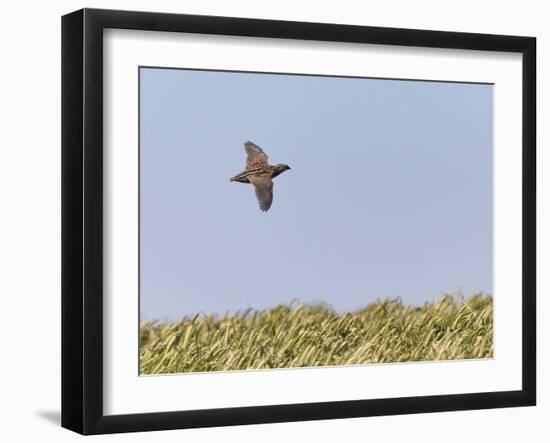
pixel 260 174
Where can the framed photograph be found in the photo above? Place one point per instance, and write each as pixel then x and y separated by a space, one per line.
pixel 269 221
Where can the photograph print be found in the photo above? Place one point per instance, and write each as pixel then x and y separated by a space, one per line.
pixel 298 221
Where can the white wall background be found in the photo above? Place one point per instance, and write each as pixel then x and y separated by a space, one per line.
pixel 30 218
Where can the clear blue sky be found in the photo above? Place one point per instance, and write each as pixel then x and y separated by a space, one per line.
pixel 390 191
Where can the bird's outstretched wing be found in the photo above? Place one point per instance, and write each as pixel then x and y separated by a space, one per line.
pixel 264 190
pixel 256 156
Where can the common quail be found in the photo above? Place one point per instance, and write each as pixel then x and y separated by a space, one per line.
pixel 260 174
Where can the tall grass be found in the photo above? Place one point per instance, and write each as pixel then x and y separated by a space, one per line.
pixel 301 336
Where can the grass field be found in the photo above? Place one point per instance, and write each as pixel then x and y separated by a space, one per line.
pixel 299 336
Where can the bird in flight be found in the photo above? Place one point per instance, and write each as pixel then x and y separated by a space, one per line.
pixel 260 174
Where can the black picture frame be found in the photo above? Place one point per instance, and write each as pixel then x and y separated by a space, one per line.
pixel 82 221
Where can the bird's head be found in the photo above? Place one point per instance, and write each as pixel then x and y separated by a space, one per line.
pixel 279 169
